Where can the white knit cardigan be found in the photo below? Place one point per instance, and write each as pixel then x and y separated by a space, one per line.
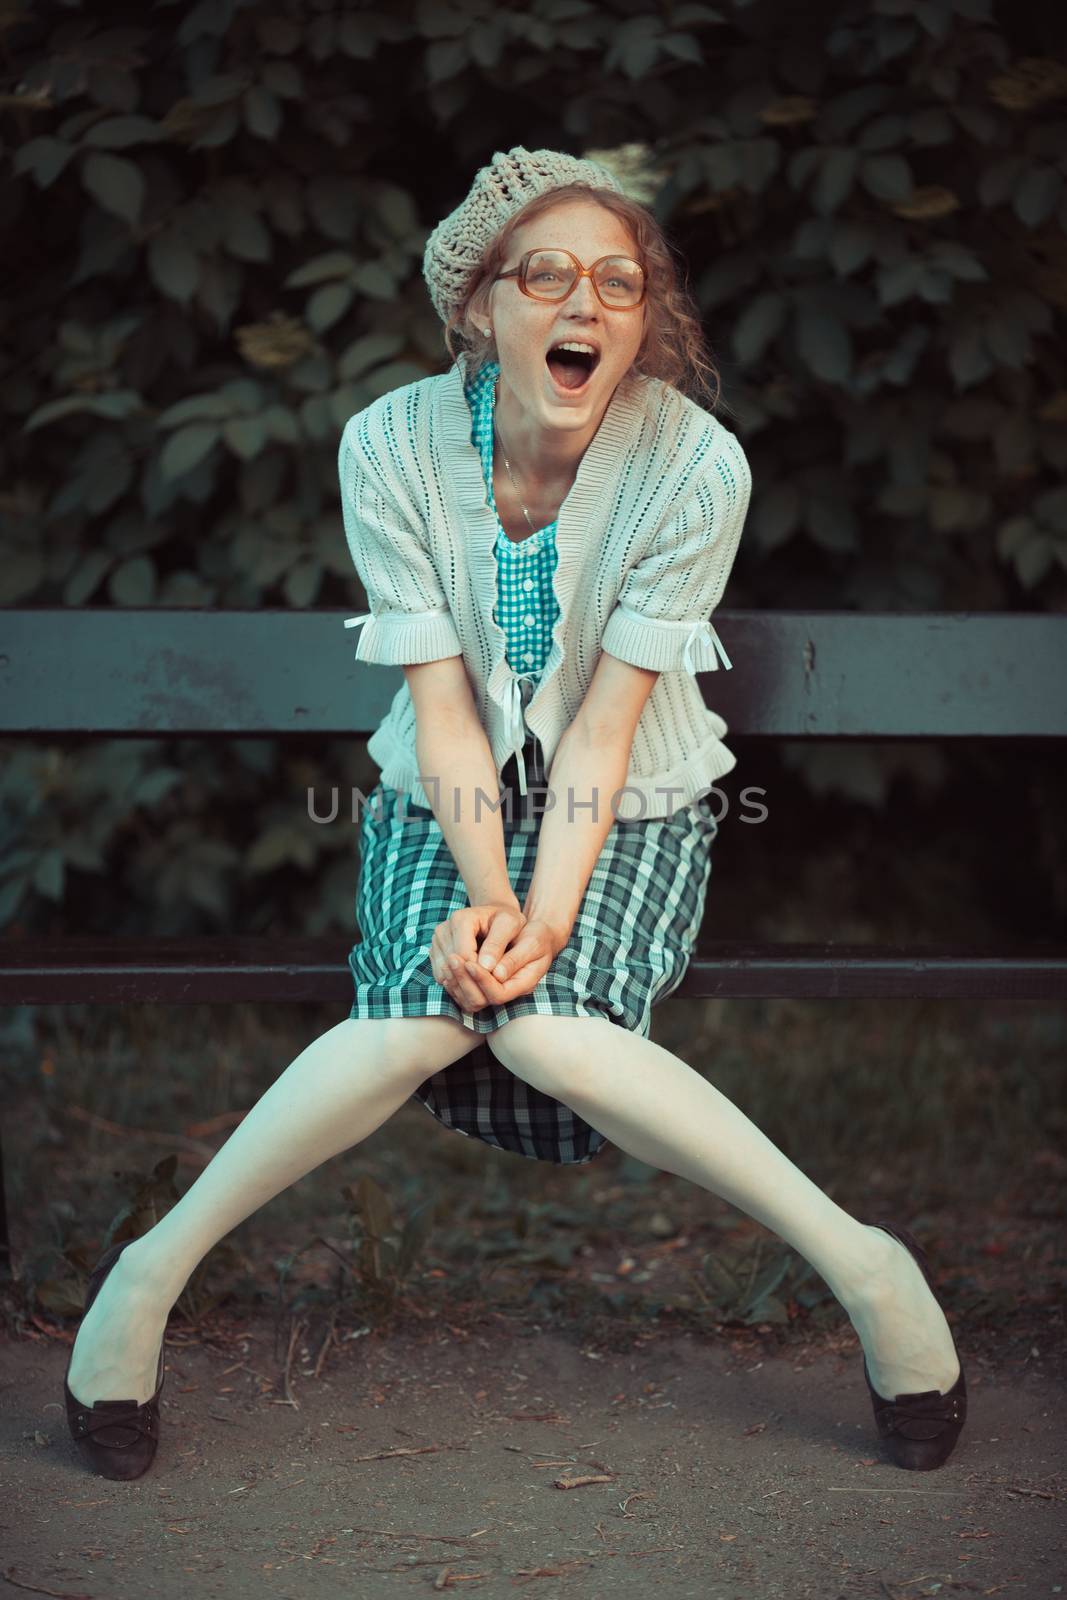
pixel 646 538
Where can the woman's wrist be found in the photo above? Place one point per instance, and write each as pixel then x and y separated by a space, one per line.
pixel 561 929
pixel 495 896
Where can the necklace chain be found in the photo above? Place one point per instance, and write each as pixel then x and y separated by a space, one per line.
pixel 507 464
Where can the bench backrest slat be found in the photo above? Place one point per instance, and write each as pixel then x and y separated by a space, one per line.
pixel 115 671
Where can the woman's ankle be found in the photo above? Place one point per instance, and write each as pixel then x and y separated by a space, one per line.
pixel 869 1279
pixel 144 1266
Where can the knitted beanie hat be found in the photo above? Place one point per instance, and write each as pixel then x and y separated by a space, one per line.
pixel 511 179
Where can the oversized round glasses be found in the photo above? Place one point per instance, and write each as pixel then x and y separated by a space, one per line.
pixel 619 282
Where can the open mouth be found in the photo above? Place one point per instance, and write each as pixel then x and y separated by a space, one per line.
pixel 572 369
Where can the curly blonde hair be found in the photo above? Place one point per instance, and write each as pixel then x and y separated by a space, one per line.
pixel 673 347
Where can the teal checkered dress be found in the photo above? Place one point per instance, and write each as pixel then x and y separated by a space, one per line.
pixel 635 931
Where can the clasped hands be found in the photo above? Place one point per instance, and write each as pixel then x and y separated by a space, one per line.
pixel 487 954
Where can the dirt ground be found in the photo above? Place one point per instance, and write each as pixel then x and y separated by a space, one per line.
pixel 508 1457
pixel 573 1385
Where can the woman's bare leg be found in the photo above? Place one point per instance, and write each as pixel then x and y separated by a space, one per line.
pixel 651 1104
pixel 339 1089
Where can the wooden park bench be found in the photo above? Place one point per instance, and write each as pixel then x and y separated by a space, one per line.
pixel 115 672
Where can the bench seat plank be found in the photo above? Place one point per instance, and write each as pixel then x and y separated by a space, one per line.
pixel 88 970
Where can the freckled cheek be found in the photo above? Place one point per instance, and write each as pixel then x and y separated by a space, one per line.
pixel 529 352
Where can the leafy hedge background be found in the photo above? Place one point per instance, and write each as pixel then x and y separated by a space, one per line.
pixel 213 219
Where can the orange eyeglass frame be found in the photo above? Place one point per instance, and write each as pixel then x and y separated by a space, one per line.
pixel 581 272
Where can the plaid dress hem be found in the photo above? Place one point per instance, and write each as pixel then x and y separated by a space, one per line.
pixel 629 948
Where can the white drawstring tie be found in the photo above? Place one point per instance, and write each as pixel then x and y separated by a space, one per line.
pixel 704 632
pixel 516 725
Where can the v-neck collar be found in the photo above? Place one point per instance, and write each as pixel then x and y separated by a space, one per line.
pixel 580 522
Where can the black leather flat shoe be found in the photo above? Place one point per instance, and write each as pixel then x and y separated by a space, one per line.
pixel 117 1438
pixel 919 1431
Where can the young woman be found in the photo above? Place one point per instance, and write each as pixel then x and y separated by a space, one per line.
pixel 542 533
